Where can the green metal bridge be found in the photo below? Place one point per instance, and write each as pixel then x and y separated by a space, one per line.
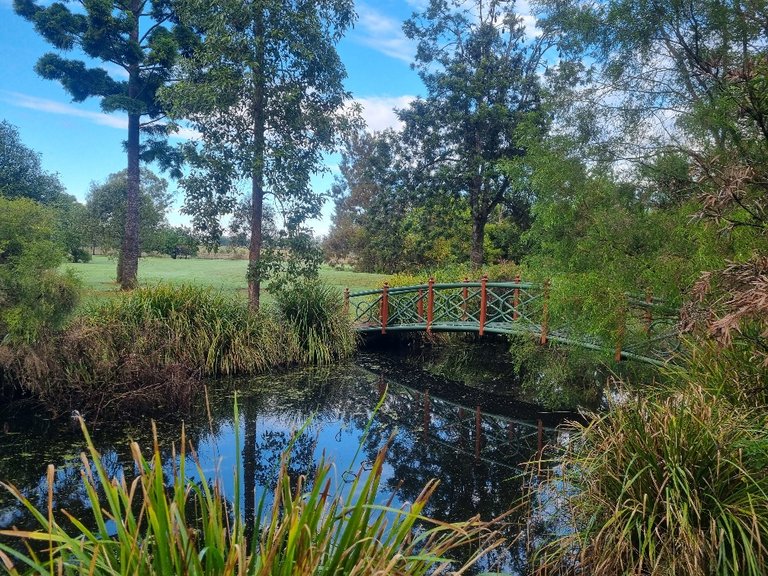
pixel 646 332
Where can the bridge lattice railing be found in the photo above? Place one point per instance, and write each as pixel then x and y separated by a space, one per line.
pixel 647 331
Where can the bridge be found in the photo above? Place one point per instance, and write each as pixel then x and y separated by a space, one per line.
pixel 646 329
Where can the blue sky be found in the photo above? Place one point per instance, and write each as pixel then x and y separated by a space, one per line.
pixel 83 145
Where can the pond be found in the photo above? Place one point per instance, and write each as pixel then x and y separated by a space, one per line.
pixel 474 439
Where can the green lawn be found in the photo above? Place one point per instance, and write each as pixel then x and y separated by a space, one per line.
pixel 98 276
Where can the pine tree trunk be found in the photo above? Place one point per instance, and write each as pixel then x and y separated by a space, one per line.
pixel 129 255
pixel 129 252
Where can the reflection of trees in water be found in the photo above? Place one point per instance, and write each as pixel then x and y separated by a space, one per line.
pixel 478 465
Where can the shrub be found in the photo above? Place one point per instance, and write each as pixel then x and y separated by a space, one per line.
pixel 314 313
pixel 34 298
pixel 666 485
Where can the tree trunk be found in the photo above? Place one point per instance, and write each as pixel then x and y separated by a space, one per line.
pixel 128 266
pixel 478 238
pixel 257 173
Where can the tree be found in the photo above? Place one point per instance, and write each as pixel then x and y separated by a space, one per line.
pixel 264 88
pixel 696 72
pixel 73 227
pixel 139 36
pixel 34 297
pixel 177 241
pixel 106 204
pixel 21 172
pixel 481 75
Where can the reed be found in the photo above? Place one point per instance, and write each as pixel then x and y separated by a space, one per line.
pixel 153 525
pixel 672 484
pixel 314 312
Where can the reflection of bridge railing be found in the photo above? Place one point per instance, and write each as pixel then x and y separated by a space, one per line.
pixel 646 331
pixel 492 438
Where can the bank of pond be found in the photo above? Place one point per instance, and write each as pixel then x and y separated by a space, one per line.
pixel 316 461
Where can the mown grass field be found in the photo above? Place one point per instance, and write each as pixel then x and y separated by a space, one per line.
pixel 228 276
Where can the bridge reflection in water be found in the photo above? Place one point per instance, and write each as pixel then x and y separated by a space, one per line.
pixel 483 436
pixel 645 330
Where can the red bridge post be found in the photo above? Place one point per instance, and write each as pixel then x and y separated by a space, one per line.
pixel 346 302
pixel 384 307
pixel 430 304
pixel 545 314
pixel 516 300
pixel 483 302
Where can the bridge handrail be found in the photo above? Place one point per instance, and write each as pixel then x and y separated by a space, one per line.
pixel 446 285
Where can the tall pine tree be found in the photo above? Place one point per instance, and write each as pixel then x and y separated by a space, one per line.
pixel 138 36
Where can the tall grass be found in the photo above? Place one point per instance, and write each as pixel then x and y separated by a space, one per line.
pixel 672 484
pixel 148 349
pixel 315 313
pixel 153 525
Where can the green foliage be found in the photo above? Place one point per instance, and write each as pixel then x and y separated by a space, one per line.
pixel 160 523
pixel 106 204
pixel 315 313
pixel 147 350
pixel 21 172
pixel 664 485
pixel 143 39
pixel 265 89
pixel 34 298
pixel 176 241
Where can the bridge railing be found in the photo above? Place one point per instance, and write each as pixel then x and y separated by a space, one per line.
pixel 646 330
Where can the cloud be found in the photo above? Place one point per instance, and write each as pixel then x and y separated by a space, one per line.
pixel 52 107
pixel 379 113
pixel 383 33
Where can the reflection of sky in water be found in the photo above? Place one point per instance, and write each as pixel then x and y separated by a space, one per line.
pixel 475 455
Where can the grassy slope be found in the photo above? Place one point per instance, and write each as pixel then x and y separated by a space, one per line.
pixel 225 275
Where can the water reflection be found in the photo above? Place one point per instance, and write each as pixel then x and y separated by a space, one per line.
pixel 474 443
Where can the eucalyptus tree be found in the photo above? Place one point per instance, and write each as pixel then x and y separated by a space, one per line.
pixel 481 72
pixel 264 89
pixel 141 39
pixel 21 171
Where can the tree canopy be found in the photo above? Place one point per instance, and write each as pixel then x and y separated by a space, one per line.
pixel 21 171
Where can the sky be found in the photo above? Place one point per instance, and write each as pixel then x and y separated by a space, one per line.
pixel 83 145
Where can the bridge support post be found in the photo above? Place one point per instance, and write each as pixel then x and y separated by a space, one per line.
pixel 430 304
pixel 384 307
pixel 545 314
pixel 483 302
pixel 516 298
pixel 346 302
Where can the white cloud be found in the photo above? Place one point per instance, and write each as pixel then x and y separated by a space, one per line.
pixel 100 118
pixel 53 107
pixel 379 113
pixel 383 33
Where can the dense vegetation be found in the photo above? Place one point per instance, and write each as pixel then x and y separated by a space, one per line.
pixel 635 162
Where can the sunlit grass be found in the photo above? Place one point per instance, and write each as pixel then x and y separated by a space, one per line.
pixel 228 276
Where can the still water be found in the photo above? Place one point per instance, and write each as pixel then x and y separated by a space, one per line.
pixel 474 440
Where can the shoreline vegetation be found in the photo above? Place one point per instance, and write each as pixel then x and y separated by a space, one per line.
pixel 148 350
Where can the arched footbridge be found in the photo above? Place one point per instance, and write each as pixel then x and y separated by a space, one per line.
pixel 645 332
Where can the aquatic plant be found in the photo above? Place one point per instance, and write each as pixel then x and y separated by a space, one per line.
pixel 153 525
pixel 315 313
pixel 676 483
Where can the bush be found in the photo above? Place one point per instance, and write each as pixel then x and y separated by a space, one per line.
pixel 315 314
pixel 34 298
pixel 674 485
